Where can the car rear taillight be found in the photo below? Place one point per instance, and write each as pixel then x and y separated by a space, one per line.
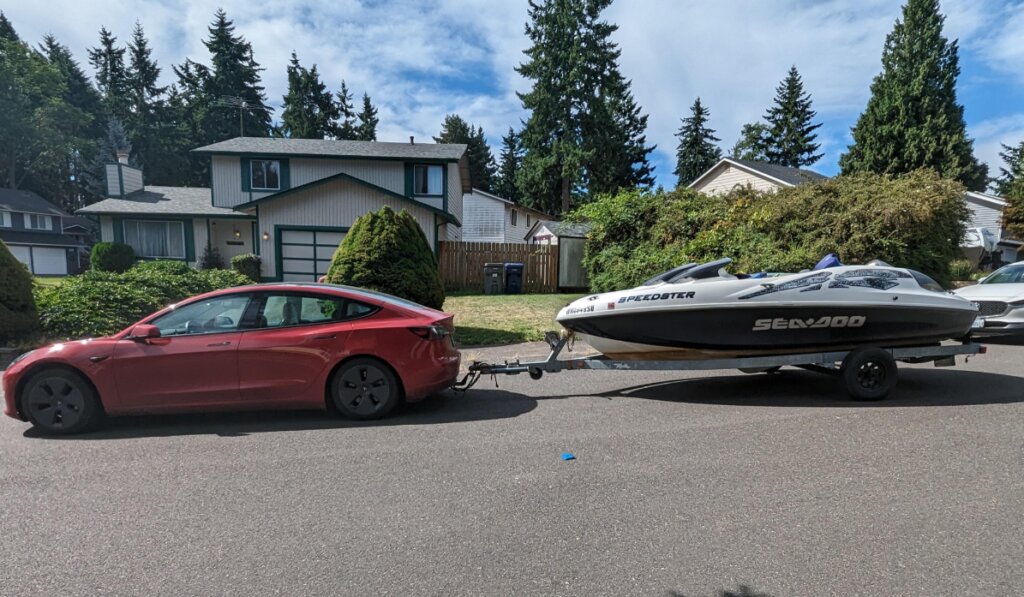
pixel 430 332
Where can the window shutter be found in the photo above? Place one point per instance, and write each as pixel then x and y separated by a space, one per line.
pixel 408 180
pixel 246 175
pixel 286 175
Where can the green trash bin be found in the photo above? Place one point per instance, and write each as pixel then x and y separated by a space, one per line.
pixel 494 278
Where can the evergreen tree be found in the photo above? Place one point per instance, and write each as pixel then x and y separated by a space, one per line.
pixel 367 129
pixel 1013 157
pixel 791 135
pixel 752 144
pixel 511 157
pixel 7 31
pixel 111 75
pixel 697 150
pixel 913 119
pixel 150 125
pixel 309 111
pixel 234 74
pixel 345 127
pixel 115 139
pixel 482 169
pixel 585 131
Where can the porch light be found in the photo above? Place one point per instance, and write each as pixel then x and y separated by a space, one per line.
pixel 237 233
pixel 266 235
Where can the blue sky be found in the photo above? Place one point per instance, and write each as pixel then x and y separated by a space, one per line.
pixel 420 61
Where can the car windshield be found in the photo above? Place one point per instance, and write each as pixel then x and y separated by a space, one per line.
pixel 1010 274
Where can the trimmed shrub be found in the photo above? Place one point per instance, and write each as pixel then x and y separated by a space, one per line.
pixel 913 221
pixel 103 303
pixel 17 309
pixel 249 265
pixel 210 259
pixel 961 269
pixel 112 257
pixel 388 252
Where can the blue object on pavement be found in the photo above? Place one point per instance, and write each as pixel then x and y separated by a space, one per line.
pixel 568 456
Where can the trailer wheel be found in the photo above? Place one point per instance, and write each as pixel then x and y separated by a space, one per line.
pixel 869 373
pixel 536 373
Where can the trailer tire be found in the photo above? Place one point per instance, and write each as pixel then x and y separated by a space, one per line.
pixel 868 373
pixel 536 373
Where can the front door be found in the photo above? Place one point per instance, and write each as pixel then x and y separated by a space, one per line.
pixel 194 363
pixel 305 254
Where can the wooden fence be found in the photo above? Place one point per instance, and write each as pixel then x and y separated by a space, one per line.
pixel 462 264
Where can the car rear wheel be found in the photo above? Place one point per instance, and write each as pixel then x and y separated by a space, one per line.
pixel 364 388
pixel 60 402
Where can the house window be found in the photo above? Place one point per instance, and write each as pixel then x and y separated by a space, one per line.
pixel 514 217
pixel 5 219
pixel 427 180
pixel 527 220
pixel 266 175
pixel 38 222
pixel 152 239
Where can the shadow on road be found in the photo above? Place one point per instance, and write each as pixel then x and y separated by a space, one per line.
pixel 743 591
pixel 445 408
pixel 796 388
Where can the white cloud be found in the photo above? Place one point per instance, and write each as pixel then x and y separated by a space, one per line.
pixel 990 136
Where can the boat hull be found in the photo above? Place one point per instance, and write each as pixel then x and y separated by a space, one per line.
pixel 749 330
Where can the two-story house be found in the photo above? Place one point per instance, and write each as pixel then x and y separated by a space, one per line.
pixel 289 200
pixel 488 218
pixel 33 230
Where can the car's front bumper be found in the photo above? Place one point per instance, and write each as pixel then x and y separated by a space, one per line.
pixel 995 326
pixel 10 383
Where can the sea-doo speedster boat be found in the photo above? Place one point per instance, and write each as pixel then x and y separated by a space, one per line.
pixel 702 311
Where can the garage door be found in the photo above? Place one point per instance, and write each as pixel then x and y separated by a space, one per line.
pixel 22 254
pixel 305 255
pixel 49 261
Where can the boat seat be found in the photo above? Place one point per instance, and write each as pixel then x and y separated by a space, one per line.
pixel 707 270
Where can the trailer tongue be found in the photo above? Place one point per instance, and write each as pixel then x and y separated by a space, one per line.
pixel 866 372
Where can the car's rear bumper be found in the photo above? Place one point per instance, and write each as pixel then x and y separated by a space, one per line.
pixel 440 375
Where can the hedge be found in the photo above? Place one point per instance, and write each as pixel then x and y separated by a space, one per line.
pixel 913 221
pixel 249 265
pixel 111 257
pixel 17 310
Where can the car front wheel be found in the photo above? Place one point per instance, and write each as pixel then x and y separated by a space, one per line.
pixel 60 402
pixel 364 388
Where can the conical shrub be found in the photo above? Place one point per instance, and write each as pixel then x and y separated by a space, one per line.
pixel 18 318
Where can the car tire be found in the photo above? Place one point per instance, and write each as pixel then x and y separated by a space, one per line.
pixel 868 373
pixel 59 401
pixel 364 388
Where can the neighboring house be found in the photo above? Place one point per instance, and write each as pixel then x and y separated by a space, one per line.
pixel 731 173
pixel 488 218
pixel 986 211
pixel 548 232
pixel 289 200
pixel 34 232
pixel 570 238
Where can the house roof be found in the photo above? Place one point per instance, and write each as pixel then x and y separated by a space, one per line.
pixel 561 229
pixel 477 191
pixel 18 237
pixel 783 175
pixel 83 223
pixel 993 200
pixel 167 201
pixel 26 201
pixel 335 148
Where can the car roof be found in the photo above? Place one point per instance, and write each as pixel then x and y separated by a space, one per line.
pixel 371 296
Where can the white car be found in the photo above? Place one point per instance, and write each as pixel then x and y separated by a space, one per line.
pixel 1000 297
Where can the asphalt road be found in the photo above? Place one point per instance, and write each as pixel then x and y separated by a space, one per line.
pixel 684 484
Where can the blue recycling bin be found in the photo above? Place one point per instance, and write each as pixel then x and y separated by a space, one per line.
pixel 514 278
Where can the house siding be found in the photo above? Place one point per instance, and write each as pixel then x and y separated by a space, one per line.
pixel 226 181
pixel 984 215
pixel 132 178
pixel 455 197
pixel 388 175
pixel 334 204
pixel 484 219
pixel 516 234
pixel 729 177
pixel 113 181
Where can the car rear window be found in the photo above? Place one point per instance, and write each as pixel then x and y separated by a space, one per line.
pixel 387 298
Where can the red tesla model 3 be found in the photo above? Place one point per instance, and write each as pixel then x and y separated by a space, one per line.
pixel 354 351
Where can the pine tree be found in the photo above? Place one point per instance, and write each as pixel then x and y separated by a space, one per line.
pixel 150 121
pixel 697 150
pixel 115 139
pixel 585 133
pixel 7 31
pixel 1013 157
pixel 482 169
pixel 790 140
pixel 367 129
pixel 345 126
pixel 309 111
pixel 511 157
pixel 111 75
pixel 752 144
pixel 913 119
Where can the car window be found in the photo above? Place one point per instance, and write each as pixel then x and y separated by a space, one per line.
pixel 216 315
pixel 1010 274
pixel 282 310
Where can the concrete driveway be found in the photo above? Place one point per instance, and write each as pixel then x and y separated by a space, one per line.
pixel 684 484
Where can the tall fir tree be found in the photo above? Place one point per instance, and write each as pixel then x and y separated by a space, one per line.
pixel 309 110
pixel 752 144
pixel 234 74
pixel 790 133
pixel 7 31
pixel 115 139
pixel 913 119
pixel 511 157
pixel 158 145
pixel 367 128
pixel 107 61
pixel 482 168
pixel 585 132
pixel 345 126
pixel 697 150
pixel 1013 157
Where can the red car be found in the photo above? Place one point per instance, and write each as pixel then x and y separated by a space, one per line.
pixel 268 346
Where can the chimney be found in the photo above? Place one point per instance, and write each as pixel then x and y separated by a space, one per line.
pixel 412 140
pixel 122 156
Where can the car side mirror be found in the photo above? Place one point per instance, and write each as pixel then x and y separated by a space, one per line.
pixel 144 333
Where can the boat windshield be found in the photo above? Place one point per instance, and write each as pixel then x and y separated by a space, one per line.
pixel 927 283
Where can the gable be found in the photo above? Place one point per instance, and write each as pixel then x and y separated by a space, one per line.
pixel 725 177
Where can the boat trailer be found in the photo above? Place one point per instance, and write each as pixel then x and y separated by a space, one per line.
pixel 866 372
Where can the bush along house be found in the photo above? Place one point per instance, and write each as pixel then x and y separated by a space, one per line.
pixel 291 201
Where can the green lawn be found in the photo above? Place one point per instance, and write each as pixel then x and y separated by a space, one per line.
pixel 48 281
pixel 505 318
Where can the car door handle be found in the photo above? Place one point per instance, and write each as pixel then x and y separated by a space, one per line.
pixel 224 343
pixel 326 337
